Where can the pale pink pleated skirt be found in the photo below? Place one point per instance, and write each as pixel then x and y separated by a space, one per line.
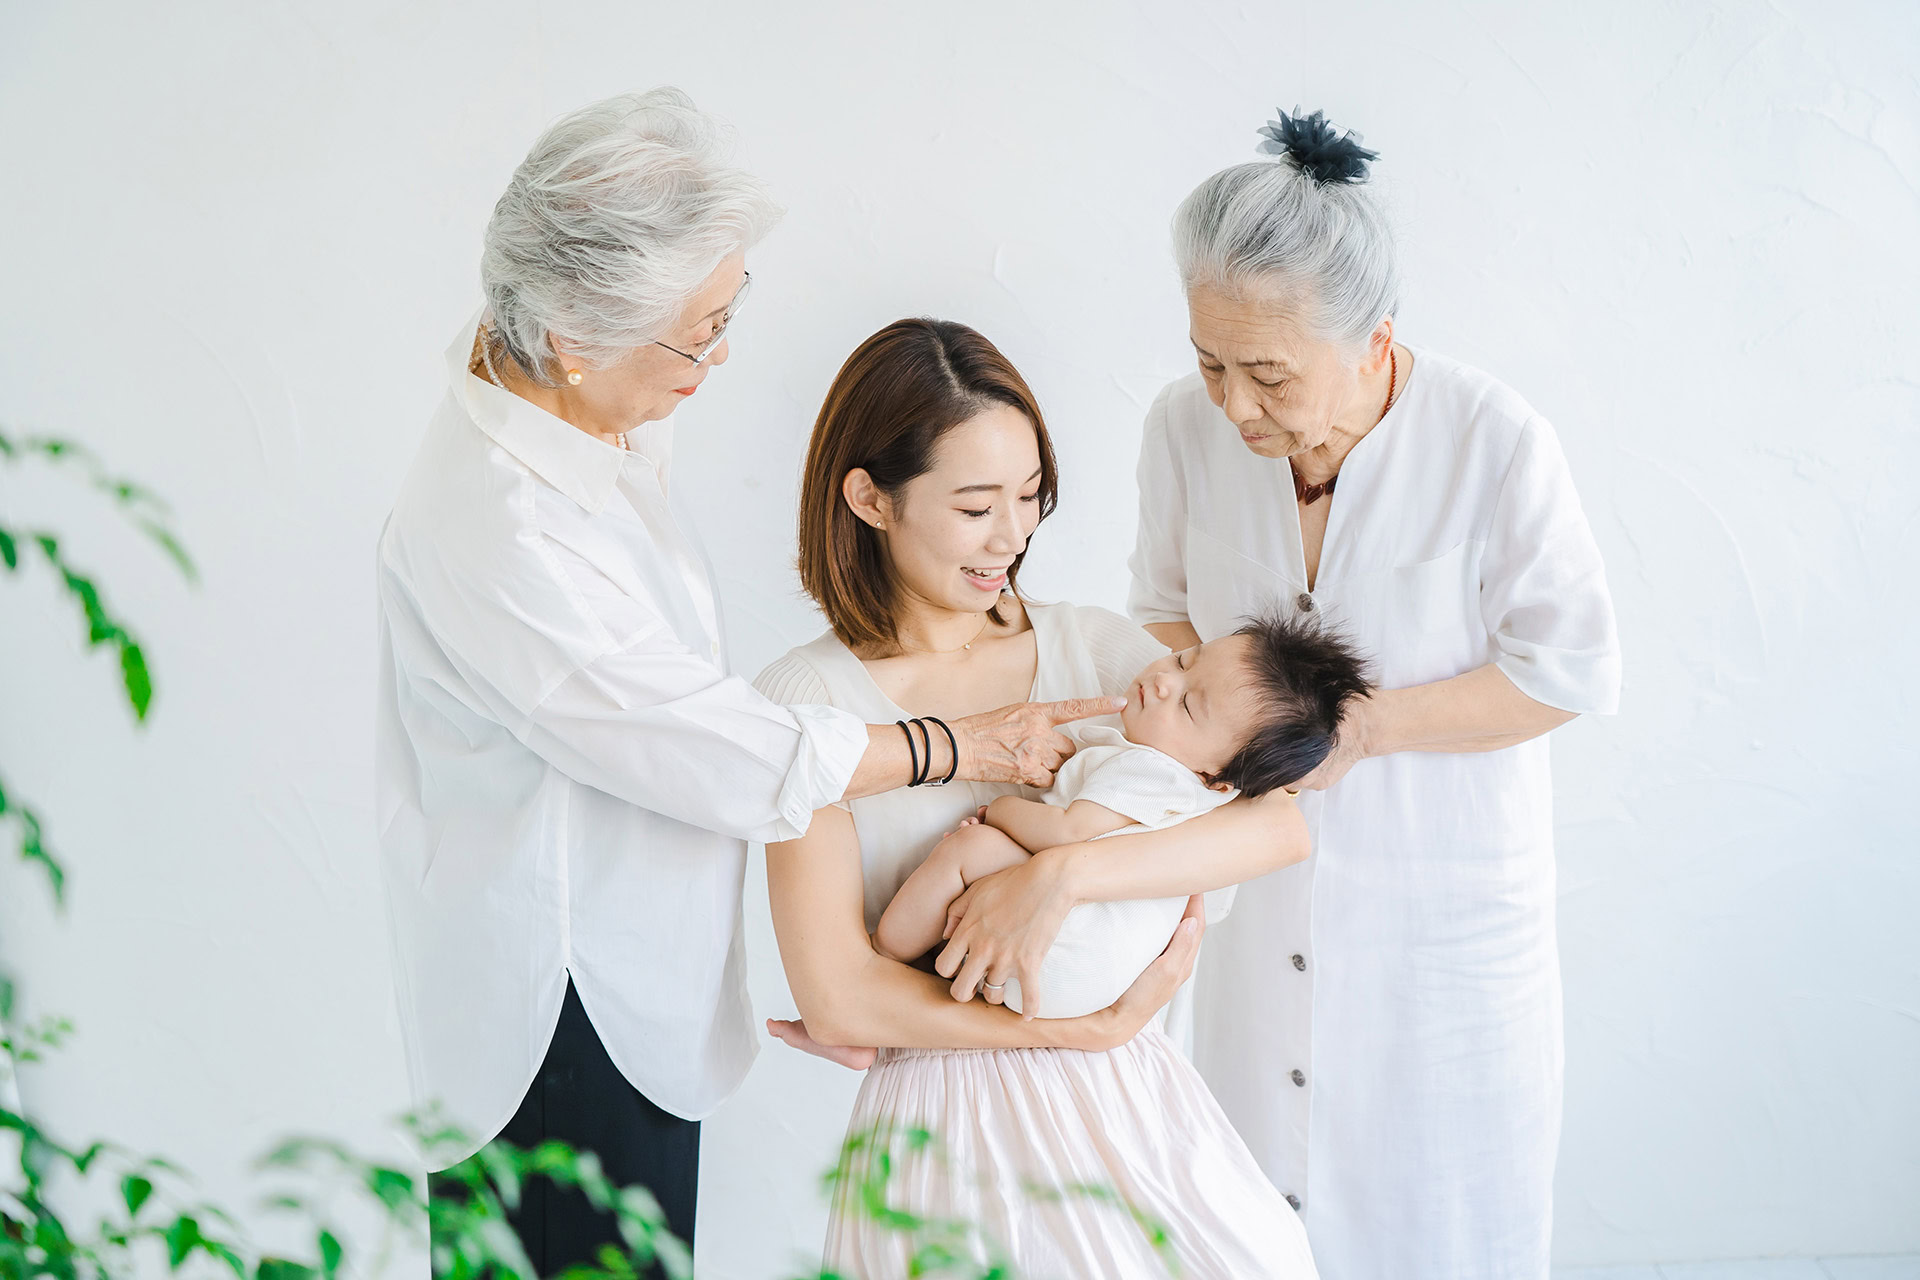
pixel 1067 1165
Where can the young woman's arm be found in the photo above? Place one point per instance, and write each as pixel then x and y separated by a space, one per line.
pixel 849 994
pixel 1035 824
pixel 1003 924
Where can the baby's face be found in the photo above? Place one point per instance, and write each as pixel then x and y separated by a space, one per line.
pixel 1195 705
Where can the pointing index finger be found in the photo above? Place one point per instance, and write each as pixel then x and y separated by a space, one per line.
pixel 1081 708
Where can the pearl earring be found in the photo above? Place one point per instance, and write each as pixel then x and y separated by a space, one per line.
pixel 573 377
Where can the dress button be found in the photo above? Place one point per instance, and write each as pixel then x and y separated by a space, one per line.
pixel 1293 1200
pixel 1299 1077
pixel 1304 601
pixel 1300 963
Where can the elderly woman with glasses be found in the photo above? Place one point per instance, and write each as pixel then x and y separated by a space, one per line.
pixel 567 771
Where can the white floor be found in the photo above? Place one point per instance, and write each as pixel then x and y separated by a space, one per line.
pixel 1902 1267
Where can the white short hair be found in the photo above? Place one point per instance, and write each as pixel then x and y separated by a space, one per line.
pixel 1267 229
pixel 615 219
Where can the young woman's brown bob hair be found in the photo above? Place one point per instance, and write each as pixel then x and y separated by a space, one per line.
pixel 895 397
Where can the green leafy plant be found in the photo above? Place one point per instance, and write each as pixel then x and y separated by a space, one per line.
pixel 155 1215
pixel 147 513
pixel 864 1180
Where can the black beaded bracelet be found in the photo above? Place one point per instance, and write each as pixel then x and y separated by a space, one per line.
pixel 952 742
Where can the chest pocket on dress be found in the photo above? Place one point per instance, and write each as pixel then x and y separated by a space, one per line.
pixel 1421 622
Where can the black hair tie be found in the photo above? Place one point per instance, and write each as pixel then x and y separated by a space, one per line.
pixel 926 750
pixel 1316 148
pixel 920 760
pixel 913 756
pixel 951 742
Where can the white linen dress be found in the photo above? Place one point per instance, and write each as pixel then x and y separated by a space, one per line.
pixel 1021 1127
pixel 1382 1021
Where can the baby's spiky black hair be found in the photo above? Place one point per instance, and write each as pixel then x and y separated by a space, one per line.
pixel 1304 676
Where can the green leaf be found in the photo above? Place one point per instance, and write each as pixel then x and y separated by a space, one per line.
pixel 32 850
pixel 133 668
pixel 172 547
pixel 227 1256
pixel 500 1167
pixel 135 1189
pixel 8 552
pixel 639 1203
pixel 674 1256
pixel 392 1187
pixel 183 1237
pixel 281 1269
pixel 330 1253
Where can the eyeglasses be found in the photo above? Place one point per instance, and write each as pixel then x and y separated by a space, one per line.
pixel 726 318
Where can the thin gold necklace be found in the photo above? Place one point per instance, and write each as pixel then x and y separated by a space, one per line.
pixel 984 622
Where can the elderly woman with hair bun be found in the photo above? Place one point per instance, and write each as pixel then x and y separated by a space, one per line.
pixel 1382 1020
pixel 567 772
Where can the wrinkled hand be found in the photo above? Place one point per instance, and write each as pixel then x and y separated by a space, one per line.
pixel 1157 983
pixel 1001 928
pixel 1349 749
pixel 1020 743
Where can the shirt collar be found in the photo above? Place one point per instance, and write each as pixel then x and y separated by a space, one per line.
pixel 580 466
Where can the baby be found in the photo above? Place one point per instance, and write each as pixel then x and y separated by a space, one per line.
pixel 1240 715
pixel 1243 714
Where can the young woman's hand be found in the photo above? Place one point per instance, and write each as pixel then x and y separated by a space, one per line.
pixel 1001 927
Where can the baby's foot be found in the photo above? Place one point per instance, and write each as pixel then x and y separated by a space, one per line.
pixel 794 1032
pixel 979 817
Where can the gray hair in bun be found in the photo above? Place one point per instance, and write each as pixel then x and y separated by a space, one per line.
pixel 1301 229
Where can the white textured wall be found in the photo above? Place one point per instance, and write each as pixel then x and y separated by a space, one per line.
pixel 234 242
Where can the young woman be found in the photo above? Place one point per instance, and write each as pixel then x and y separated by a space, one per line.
pixel 928 471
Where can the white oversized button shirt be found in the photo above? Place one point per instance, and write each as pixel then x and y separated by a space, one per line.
pixel 567 773
pixel 1382 1021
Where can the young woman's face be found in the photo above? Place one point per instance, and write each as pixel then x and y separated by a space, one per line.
pixel 952 532
pixel 1194 705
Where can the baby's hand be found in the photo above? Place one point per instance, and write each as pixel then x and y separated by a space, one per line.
pixel 794 1033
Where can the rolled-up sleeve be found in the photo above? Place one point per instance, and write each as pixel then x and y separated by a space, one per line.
pixel 592 678
pixel 659 727
pixel 1543 589
pixel 1159 561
